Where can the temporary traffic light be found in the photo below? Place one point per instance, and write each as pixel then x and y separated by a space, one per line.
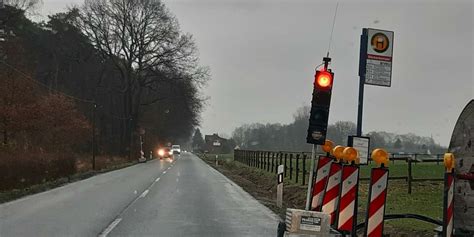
pixel 318 121
pixel 323 80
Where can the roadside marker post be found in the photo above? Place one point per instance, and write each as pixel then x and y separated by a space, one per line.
pixel 448 202
pixel 332 188
pixel 322 173
pixel 281 169
pixel 347 207
pixel 377 195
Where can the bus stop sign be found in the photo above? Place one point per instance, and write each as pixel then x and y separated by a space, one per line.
pixel 376 57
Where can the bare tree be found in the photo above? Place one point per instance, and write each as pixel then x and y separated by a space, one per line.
pixel 24 5
pixel 144 42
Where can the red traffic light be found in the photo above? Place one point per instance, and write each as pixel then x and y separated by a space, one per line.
pixel 323 79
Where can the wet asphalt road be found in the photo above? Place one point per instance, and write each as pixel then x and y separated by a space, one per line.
pixel 159 198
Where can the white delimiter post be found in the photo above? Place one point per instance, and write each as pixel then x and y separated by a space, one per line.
pixel 310 179
pixel 281 169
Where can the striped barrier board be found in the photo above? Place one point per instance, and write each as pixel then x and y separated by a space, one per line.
pixel 348 202
pixel 332 189
pixel 322 173
pixel 377 197
pixel 448 206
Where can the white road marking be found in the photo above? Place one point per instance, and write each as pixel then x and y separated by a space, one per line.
pixel 144 193
pixel 110 227
pixel 179 173
pixel 157 179
pixel 177 179
pixel 164 172
pixel 135 192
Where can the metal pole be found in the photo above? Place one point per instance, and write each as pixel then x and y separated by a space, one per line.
pixel 141 146
pixel 93 135
pixel 362 72
pixel 130 142
pixel 361 105
pixel 309 191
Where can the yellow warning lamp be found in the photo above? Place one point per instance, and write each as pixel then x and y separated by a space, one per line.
pixel 449 162
pixel 357 161
pixel 380 156
pixel 338 152
pixel 328 145
pixel 350 154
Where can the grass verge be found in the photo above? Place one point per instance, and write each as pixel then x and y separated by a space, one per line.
pixel 426 198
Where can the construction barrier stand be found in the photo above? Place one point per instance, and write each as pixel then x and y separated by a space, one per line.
pixel 322 173
pixel 376 208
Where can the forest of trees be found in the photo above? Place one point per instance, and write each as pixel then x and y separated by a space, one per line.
pixel 292 137
pixel 121 67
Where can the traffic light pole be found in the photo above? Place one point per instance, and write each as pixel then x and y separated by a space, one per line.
pixel 310 179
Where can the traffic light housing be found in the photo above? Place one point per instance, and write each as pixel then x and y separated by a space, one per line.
pixel 318 120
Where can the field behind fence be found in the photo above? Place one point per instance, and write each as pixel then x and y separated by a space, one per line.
pixel 411 168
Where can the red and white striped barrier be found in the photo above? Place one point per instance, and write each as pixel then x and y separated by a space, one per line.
pixel 348 202
pixel 448 204
pixel 376 207
pixel 331 195
pixel 322 173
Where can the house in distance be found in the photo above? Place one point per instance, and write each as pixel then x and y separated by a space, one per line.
pixel 217 145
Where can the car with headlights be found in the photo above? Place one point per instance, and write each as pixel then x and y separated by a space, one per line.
pixel 165 152
pixel 176 149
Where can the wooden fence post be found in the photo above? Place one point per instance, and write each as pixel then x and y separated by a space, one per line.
pixel 251 158
pixel 257 158
pixel 254 160
pixel 265 163
pixel 247 158
pixel 273 161
pixel 297 166
pixel 291 166
pixel 281 159
pixel 409 175
pixel 268 161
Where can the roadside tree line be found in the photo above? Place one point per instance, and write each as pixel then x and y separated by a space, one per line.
pixel 122 67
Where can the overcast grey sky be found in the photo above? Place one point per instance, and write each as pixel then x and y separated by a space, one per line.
pixel 262 55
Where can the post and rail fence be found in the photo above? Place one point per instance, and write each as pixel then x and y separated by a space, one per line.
pixel 297 168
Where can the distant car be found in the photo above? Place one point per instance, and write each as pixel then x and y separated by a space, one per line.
pixel 176 149
pixel 165 152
